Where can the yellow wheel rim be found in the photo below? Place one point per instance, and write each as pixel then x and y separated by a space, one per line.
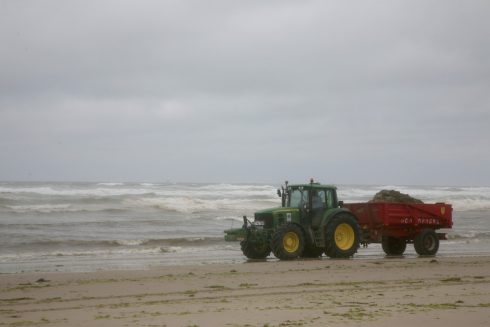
pixel 290 242
pixel 344 236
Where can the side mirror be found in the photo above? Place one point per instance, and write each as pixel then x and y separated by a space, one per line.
pixel 341 204
pixel 279 194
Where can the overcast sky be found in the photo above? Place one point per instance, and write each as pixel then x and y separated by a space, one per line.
pixel 349 92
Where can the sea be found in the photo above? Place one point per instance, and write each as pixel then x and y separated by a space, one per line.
pixel 83 227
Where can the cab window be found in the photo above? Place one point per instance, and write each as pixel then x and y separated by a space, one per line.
pixel 318 199
pixel 298 198
pixel 330 198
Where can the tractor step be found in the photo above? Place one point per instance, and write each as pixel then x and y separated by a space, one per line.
pixel 319 241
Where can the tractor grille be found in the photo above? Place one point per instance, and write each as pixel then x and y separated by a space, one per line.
pixel 266 218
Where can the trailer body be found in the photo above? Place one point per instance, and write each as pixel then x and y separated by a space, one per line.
pixel 401 220
pixel 395 225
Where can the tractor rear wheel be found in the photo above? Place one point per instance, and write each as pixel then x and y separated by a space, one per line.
pixel 341 236
pixel 288 242
pixel 393 245
pixel 426 242
pixel 254 250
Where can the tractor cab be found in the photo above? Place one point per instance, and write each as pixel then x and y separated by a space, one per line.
pixel 311 199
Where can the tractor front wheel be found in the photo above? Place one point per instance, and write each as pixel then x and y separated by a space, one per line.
pixel 288 242
pixel 254 250
pixel 341 236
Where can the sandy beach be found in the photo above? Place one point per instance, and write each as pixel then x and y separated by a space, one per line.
pixel 385 292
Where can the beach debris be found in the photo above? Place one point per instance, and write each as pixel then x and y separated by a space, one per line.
pixel 42 280
pixel 393 196
pixel 452 279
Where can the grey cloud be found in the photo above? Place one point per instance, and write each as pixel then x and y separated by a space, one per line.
pixel 364 92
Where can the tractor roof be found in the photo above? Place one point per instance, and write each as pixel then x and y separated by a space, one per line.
pixel 314 185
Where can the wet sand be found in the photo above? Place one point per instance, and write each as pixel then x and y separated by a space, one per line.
pixel 382 292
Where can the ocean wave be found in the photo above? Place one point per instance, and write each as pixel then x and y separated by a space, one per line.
pixel 180 242
pixel 55 208
pixel 195 205
pixel 99 192
pixel 224 186
pixel 461 198
pixel 41 208
pixel 100 254
pixel 74 244
pixel 110 184
pixel 192 198
pixel 185 241
pixel 468 235
pixel 229 218
pixel 470 204
pixel 104 190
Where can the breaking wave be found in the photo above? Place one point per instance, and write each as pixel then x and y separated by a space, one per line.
pixel 41 245
pixel 188 198
pixel 468 235
pixel 461 198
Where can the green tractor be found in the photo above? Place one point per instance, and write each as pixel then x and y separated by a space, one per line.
pixel 309 222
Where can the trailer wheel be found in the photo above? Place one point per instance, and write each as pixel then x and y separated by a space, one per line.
pixel 426 242
pixel 341 236
pixel 288 242
pixel 393 245
pixel 255 250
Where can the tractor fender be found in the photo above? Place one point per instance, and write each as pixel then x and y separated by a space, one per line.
pixel 329 215
pixel 302 228
pixel 332 213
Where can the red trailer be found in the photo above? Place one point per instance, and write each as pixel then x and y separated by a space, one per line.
pixel 396 224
